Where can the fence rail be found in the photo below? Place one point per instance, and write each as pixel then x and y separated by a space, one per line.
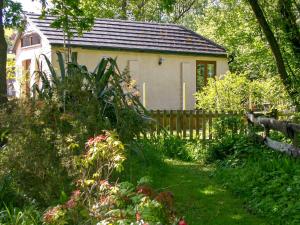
pixel 187 123
pixel 290 130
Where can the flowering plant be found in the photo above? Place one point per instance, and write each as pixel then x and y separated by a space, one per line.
pixel 104 154
pixel 100 202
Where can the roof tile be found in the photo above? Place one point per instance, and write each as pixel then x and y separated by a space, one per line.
pixel 135 36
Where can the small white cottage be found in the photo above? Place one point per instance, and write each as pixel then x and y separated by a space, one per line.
pixel 168 62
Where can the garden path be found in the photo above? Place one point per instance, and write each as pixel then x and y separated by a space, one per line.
pixel 199 197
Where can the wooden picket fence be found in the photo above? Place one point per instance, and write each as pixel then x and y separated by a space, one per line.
pixel 187 123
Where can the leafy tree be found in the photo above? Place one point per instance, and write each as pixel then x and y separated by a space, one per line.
pixel 10 16
pixel 290 80
pixel 261 37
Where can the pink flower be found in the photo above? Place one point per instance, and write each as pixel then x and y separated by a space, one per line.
pixel 76 194
pixel 70 204
pixel 50 214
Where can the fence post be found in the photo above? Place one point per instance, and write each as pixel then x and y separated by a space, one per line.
pixel 171 122
pixel 158 122
pixel 210 125
pixel 197 123
pixel 177 122
pixel 183 123
pixel 191 117
pixel 203 126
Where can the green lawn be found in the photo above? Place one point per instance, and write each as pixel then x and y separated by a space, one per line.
pixel 198 196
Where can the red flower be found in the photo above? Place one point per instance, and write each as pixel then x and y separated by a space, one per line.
pixel 145 190
pixel 182 222
pixel 95 140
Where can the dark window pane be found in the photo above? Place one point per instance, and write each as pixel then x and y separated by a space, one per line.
pixel 200 78
pixel 25 41
pixel 204 70
pixel 32 39
pixel 35 39
pixel 211 70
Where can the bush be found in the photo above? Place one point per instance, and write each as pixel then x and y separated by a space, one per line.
pixel 177 148
pixel 229 126
pixel 36 148
pixel 42 137
pixel 105 98
pixel 98 201
pixel 237 93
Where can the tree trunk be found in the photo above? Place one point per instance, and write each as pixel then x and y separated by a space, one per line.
pixel 290 27
pixel 292 89
pixel 3 59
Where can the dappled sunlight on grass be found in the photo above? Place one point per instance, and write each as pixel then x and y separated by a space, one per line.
pixel 197 195
pixel 237 217
pixel 210 190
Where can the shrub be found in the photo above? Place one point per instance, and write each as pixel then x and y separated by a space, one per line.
pixel 106 97
pixel 33 154
pixel 177 148
pixel 42 137
pixel 237 93
pixel 98 201
pixel 229 125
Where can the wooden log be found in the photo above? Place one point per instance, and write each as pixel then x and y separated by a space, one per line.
pixel 288 129
pixel 282 147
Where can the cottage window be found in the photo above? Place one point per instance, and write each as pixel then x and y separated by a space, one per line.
pixel 30 39
pixel 204 70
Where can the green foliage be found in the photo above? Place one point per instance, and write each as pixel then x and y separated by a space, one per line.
pixel 225 147
pixel 268 181
pixel 110 96
pixel 39 142
pixel 43 137
pixel 12 14
pixel 71 15
pixel 237 93
pixel 98 201
pixel 176 148
pixel 15 216
pixel 229 125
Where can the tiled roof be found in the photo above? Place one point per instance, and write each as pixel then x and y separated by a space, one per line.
pixel 134 36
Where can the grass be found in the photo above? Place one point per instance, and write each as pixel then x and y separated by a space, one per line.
pixel 198 195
